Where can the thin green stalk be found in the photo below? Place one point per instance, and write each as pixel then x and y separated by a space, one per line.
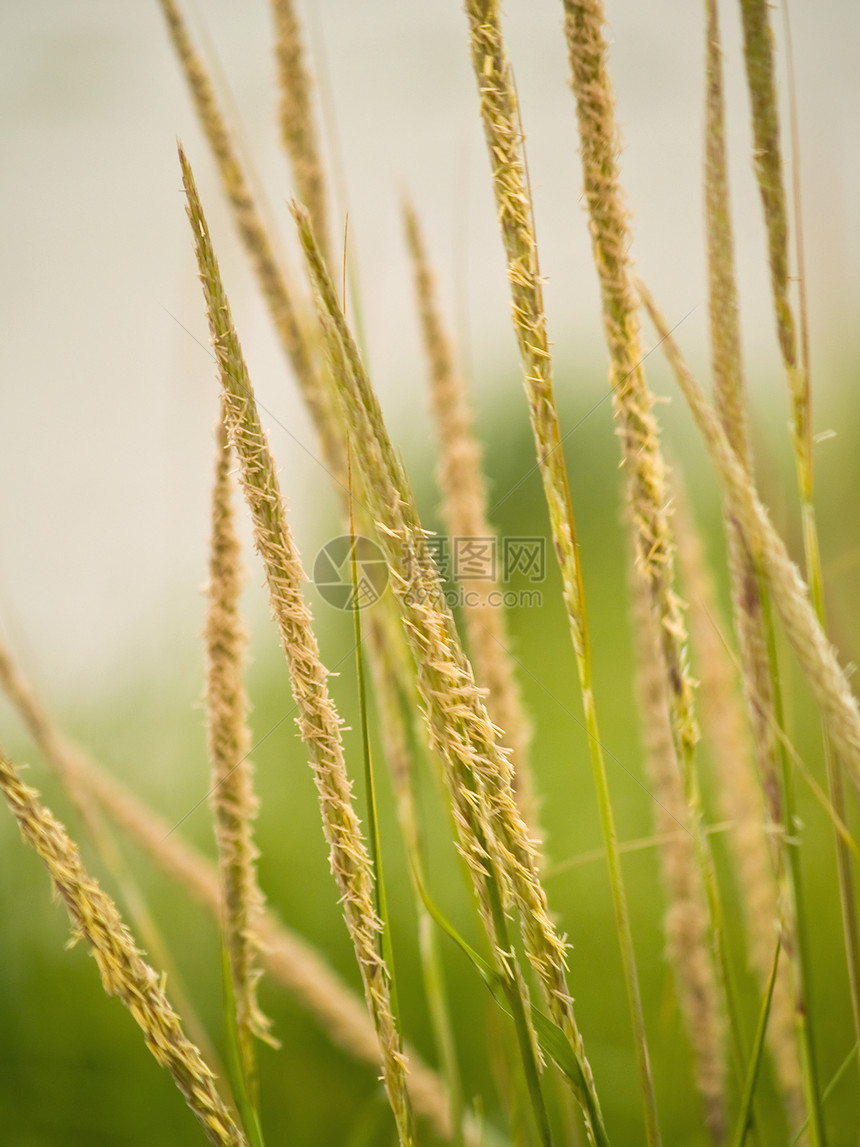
pixel 789 853
pixel 374 845
pixel 514 992
pixel 829 1089
pixel 431 957
pixel 745 1117
pixel 435 989
pixel 242 1071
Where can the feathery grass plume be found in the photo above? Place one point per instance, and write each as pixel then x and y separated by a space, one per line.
pixel 816 655
pixel 464 510
pixel 789 1015
pixel 500 117
pixel 743 805
pixel 687 922
pixel 124 972
pixel 233 800
pixel 298 130
pixel 289 959
pixel 270 274
pixel 493 839
pixel 318 721
pixel 384 640
pixel 767 159
pixel 642 457
pixel 313 384
pixel 632 399
pixel 761 81
pixel 62 761
pixel 730 404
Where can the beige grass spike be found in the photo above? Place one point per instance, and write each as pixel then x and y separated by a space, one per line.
pixel 743 805
pixel 816 655
pixel 318 721
pixel 464 510
pixel 124 971
pixel 767 158
pixel 298 130
pixel 633 401
pixel 730 404
pixel 233 800
pixel 252 230
pixel 686 923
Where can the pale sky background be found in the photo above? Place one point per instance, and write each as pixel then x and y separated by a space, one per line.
pixel 108 405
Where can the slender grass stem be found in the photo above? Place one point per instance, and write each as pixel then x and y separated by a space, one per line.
pixel 745 1117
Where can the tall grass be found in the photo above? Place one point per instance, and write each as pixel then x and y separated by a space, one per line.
pixel 449 709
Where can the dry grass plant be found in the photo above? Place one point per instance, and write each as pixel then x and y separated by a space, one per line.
pixel 450 700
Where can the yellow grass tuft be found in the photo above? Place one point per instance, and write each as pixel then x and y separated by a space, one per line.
pixel 233 800
pixel 464 511
pixel 124 971
pixel 816 655
pixel 743 805
pixel 687 922
pixel 632 399
pixel 318 721
pixel 298 130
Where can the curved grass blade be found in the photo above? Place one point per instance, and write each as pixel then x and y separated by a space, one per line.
pixel 381 902
pixel 746 1113
pixel 551 1038
pixel 828 1091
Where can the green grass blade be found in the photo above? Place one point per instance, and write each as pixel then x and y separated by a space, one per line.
pixel 381 903
pixel 487 973
pixel 828 1091
pixel 506 996
pixel 745 1117
pixel 553 1042
pixel 432 969
pixel 243 1087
